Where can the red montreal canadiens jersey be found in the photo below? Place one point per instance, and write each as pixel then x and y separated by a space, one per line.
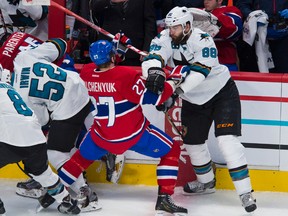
pixel 231 20
pixel 117 94
pixel 16 43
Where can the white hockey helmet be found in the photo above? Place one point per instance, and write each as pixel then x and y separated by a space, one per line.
pixel 178 16
pixel 5 75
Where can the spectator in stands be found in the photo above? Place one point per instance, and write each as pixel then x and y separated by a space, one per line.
pixel 162 7
pixel 82 35
pixel 277 31
pixel 134 18
pixel 28 19
pixel 189 3
pixel 230 19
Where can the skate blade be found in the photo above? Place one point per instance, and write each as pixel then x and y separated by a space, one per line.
pixel 162 213
pixel 251 212
pixel 33 193
pixel 207 191
pixel 39 208
pixel 119 163
pixel 159 213
pixel 93 206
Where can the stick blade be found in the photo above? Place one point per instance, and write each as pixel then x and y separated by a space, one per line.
pixel 36 2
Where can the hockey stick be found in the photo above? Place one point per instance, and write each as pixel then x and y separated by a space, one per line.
pixel 81 19
pixel 92 25
pixel 173 125
pixel 3 22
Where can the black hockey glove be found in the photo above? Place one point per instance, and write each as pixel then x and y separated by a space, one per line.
pixel 3 38
pixel 155 80
pixel 14 2
pixel 168 104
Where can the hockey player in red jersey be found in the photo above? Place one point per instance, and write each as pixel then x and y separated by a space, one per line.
pixel 230 19
pixel 119 122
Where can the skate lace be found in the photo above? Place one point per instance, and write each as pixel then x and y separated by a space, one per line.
pixel 172 203
pixel 84 191
pixel 83 196
pixel 247 199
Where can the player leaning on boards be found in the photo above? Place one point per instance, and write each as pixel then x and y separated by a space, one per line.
pixel 209 94
pixel 21 139
pixel 120 124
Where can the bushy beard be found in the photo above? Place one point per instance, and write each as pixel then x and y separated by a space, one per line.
pixel 181 39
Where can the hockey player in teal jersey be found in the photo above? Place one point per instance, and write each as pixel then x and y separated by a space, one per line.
pixel 57 96
pixel 17 123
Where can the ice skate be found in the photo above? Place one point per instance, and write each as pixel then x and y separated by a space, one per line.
pixel 2 209
pixel 30 188
pixel 114 167
pixel 87 200
pixel 165 204
pixel 248 202
pixel 69 206
pixel 44 202
pixel 58 193
pixel 196 187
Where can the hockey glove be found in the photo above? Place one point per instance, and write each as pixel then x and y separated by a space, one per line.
pixel 168 104
pixel 155 80
pixel 179 74
pixel 3 37
pixel 284 13
pixel 120 41
pixel 13 2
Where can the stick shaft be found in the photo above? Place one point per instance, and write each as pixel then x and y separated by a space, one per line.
pixel 92 25
pixel 173 125
pixel 3 22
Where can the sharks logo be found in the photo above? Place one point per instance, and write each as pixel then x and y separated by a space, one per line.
pixel 204 36
pixel 183 60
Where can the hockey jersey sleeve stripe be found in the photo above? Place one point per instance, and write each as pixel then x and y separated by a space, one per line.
pixel 150 98
pixel 200 68
pixel 237 20
pixel 154 56
pixel 61 46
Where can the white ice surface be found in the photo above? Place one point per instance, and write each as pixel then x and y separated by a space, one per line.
pixel 126 200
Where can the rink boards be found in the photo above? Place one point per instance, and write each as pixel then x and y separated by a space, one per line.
pixel 264 100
